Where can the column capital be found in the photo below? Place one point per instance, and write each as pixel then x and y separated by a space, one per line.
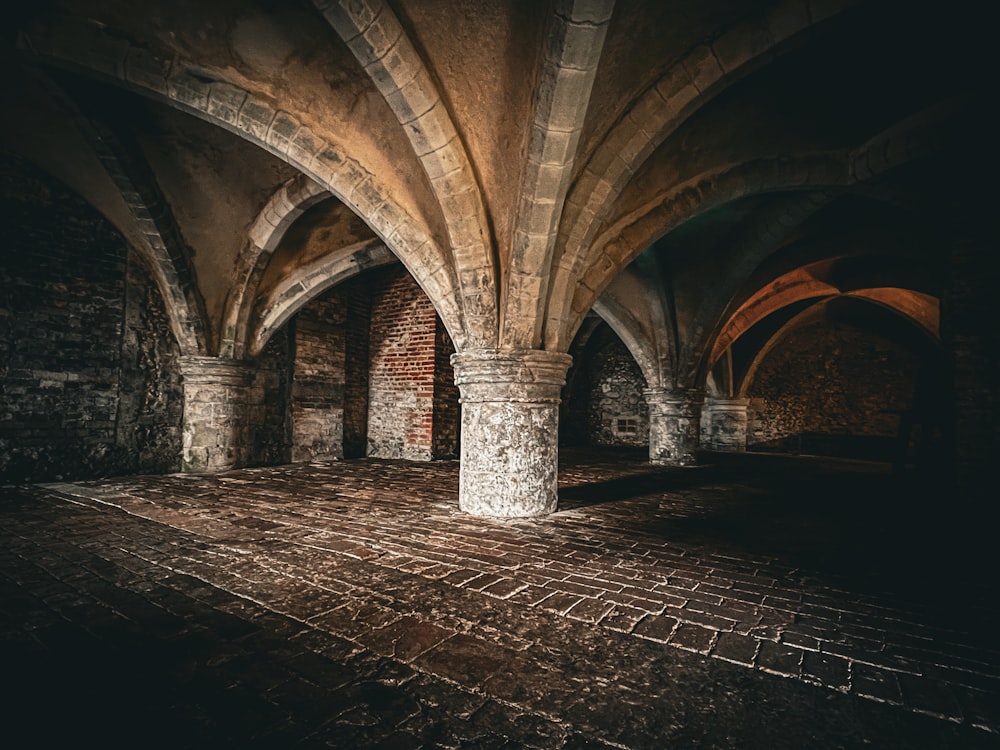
pixel 674 402
pixel 727 404
pixel 521 375
pixel 727 424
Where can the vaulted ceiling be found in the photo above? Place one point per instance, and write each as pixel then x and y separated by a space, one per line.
pixel 526 161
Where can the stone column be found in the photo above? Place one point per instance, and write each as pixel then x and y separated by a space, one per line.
pixel 674 425
pixel 727 424
pixel 216 413
pixel 510 430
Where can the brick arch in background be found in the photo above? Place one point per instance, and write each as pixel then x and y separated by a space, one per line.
pixel 648 121
pixel 673 356
pixel 914 137
pixel 657 358
pixel 308 282
pixel 919 135
pixel 162 249
pixel 800 284
pixel 815 309
pixel 248 114
pixel 619 245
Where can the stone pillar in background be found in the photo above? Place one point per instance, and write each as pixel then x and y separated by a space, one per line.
pixel 217 394
pixel 674 425
pixel 510 430
pixel 727 424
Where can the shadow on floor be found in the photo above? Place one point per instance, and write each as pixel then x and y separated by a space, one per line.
pixel 871 528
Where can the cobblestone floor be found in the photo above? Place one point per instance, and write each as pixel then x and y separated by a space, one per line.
pixel 759 603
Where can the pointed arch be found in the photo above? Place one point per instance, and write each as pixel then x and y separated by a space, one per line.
pixel 687 86
pixel 576 38
pixel 290 201
pixel 248 113
pixel 623 241
pixel 378 41
pixel 162 249
pixel 309 281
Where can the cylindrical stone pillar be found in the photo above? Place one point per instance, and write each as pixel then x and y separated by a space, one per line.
pixel 674 426
pixel 510 430
pixel 727 424
pixel 216 413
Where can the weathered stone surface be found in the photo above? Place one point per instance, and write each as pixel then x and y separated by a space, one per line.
pixel 217 397
pixel 674 426
pixel 724 425
pixel 603 402
pixel 88 377
pixel 510 430
pixel 836 390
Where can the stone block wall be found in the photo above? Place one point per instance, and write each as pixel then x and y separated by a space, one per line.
pixel 604 404
pixel 318 380
pixel 831 389
pixel 151 404
pixel 88 378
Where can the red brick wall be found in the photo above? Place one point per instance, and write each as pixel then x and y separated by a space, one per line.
pixel 372 374
pixel 401 367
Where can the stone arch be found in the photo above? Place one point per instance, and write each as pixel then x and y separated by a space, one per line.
pixel 626 328
pixel 162 249
pixel 804 273
pixel 381 45
pixel 855 390
pixel 308 282
pixel 250 115
pixel 623 241
pixel 812 311
pixel 576 39
pixel 789 289
pixel 686 86
pixel 290 201
pixel 914 137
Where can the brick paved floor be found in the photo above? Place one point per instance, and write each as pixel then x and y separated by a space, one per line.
pixel 755 603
